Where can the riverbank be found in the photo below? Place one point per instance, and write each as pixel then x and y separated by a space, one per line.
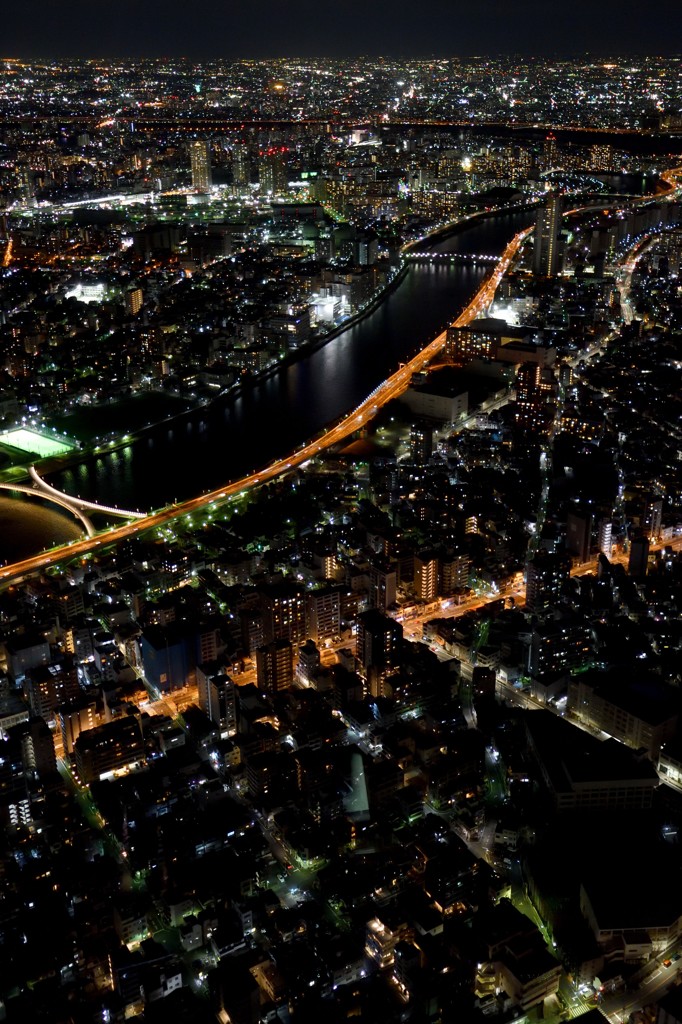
pixel 316 343
pixel 454 227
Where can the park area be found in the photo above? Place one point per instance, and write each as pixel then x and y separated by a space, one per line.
pixel 97 422
pixel 34 442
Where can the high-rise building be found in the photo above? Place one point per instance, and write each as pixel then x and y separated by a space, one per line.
pixel 421 443
pixel 241 166
pixel 308 664
pixel 284 613
pixel 639 557
pixel 454 572
pixel 426 565
pixel 379 648
pixel 48 686
pixel 217 698
pixel 275 666
pixel 652 516
pixel 546 252
pixel 605 537
pixel 535 389
pixel 579 535
pixel 75 717
pixel 550 153
pixel 323 613
pixel 383 584
pixel 546 575
pixel 109 749
pixel 200 156
pixel 134 298
pixel 601 157
pixel 168 656
pixel 558 646
pixel 27 183
pixel 380 943
pixel 367 248
pixel 37 747
pixel 272 173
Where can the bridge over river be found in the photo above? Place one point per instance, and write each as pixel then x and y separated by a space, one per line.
pixel 473 259
pixel 79 507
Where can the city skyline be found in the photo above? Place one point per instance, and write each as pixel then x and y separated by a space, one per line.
pixel 268 29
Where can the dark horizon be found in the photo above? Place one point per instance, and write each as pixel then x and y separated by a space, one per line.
pixel 593 55
pixel 269 31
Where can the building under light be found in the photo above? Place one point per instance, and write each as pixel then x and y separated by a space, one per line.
pixel 200 156
pixel 546 252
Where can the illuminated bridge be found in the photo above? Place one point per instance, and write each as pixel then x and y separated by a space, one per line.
pixel 78 507
pixel 452 257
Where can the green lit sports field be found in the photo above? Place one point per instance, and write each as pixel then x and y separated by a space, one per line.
pixel 31 441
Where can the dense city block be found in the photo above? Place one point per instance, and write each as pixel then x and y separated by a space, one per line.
pixel 388 730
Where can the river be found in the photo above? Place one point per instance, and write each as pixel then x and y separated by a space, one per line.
pixel 271 417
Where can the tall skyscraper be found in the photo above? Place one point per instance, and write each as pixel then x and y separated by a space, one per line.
pixel 605 537
pixel 639 557
pixel 379 648
pixel 535 391
pixel 200 156
pixel 454 572
pixel 283 607
pixel 546 576
pixel 323 613
pixel 272 173
pixel 426 575
pixel 546 254
pixel 579 534
pixel 421 443
pixel 217 698
pixel 652 515
pixel 550 153
pixel 383 582
pixel 241 166
pixel 601 157
pixel 275 666
pixel 27 182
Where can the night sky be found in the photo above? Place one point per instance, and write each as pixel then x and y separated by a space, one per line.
pixel 337 28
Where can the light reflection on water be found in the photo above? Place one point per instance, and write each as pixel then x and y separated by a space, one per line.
pixel 26 527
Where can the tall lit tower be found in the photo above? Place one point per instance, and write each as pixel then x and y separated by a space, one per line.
pixel 200 155
pixel 547 250
pixel 241 170
pixel 550 153
pixel 605 537
pixel 379 648
pixel 272 172
pixel 535 393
